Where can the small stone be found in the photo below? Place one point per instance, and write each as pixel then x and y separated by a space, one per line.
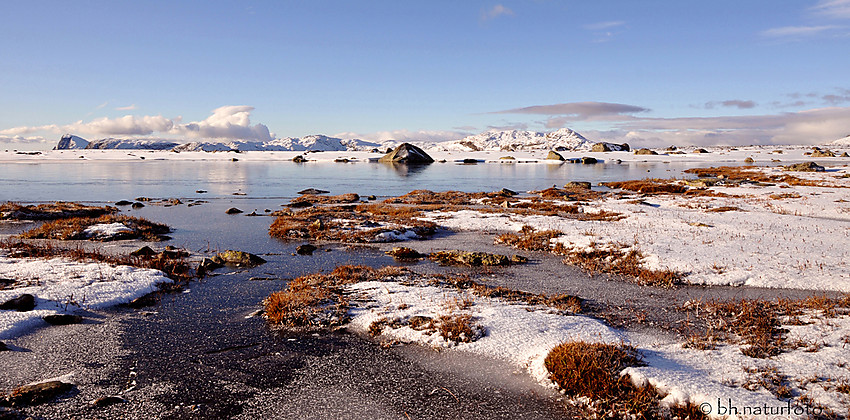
pixel 506 204
pixel 234 160
pixel 208 264
pixel 201 191
pixel 645 152
pixel 22 303
pixel 299 159
pixel 505 191
pixel 62 319
pixel 371 198
pixel 589 160
pixel 701 151
pixel 313 191
pixel 137 205
pixel 805 167
pixel 470 161
pixel 749 160
pixel 233 210
pixel 318 224
pixel 123 203
pixel 518 259
pixel 404 253
pixel 107 401
pixel 149 299
pixel 305 249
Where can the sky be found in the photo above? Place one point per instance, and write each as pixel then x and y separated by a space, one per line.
pixel 651 73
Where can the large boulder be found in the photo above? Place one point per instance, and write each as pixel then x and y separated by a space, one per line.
pixel 22 303
pixel 610 147
pixel 645 152
pixel 406 153
pixel 553 155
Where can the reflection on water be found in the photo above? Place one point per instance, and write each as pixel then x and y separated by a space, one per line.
pixel 111 180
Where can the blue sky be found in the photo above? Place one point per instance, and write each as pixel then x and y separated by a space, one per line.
pixel 650 72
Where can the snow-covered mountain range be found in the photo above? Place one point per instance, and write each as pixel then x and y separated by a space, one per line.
pixel 511 140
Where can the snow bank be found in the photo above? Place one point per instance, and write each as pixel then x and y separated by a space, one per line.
pixel 62 286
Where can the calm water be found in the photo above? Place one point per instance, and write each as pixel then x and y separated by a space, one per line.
pixel 112 181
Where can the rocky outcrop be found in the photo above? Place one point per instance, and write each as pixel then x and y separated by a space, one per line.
pixel 238 259
pixel 805 167
pixel 407 153
pixel 38 393
pixel 645 152
pixel 610 147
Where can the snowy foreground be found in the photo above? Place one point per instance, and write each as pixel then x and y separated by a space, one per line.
pixel 62 286
pixel 778 236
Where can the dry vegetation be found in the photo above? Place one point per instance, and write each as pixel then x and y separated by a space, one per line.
pixel 562 302
pixel 349 223
pixel 757 323
pixel 317 301
pixel 591 372
pixel 752 174
pixel 52 211
pixel 170 261
pixel 73 228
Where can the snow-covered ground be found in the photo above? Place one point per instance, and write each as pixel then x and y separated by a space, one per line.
pixel 63 286
pixel 713 380
pixel 782 236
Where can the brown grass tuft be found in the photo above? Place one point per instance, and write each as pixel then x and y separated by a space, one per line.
pixel 619 260
pixel 649 186
pixel 73 228
pixel 459 328
pixel 529 239
pixel 52 211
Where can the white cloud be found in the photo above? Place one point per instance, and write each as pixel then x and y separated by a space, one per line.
pixel 227 122
pixel 837 9
pixel 579 111
pixel 496 11
pixel 127 108
pixel 797 31
pixel 604 25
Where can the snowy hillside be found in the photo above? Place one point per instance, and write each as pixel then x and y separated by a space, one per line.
pixel 841 142
pixel 70 141
pixel 132 144
pixel 513 140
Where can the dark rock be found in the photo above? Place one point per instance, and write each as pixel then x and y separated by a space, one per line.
pixel 341 160
pixel 38 393
pixel 844 155
pixel 107 401
pixel 234 160
pixel 645 152
pixel 137 205
pixel 299 159
pixel 299 204
pixel 305 249
pixel 805 167
pixel 584 185
pixel 145 252
pixel 123 203
pixel 701 151
pixel 207 264
pixel 505 191
pixel 371 198
pixel 22 303
pixel 609 147
pixel 553 155
pixel 507 158
pixel 233 210
pixel 239 193
pixel 370 224
pixel 238 259
pixel 589 160
pixel 406 153
pixel 173 253
pixel 62 319
pixel 200 191
pixel 313 191
pixel 749 160
pixel 3 346
pixel 7 413
pixel 470 161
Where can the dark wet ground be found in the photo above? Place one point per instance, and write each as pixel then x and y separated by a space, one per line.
pixel 196 355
